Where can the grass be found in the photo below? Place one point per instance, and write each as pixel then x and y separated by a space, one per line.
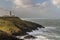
pixel 8 27
pixel 14 25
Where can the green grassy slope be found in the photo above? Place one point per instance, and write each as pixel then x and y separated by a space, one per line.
pixel 14 26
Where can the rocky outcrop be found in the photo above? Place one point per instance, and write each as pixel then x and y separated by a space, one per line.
pixel 29 37
pixel 6 36
pixel 17 27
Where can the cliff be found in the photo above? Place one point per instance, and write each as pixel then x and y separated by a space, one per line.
pixel 14 26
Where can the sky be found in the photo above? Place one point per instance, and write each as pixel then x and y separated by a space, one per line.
pixel 31 8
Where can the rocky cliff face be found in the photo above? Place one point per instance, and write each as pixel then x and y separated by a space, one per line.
pixel 14 26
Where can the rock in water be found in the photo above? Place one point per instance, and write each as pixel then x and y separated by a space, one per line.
pixel 29 37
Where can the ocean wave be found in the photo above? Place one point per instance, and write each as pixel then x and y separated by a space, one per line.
pixel 45 33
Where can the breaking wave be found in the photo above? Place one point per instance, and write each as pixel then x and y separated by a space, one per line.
pixel 48 33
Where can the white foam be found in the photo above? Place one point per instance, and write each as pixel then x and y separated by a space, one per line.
pixel 41 30
pixel 43 34
pixel 39 38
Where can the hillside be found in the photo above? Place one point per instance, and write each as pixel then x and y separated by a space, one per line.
pixel 14 26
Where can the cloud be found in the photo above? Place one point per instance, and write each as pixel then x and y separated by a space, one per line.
pixel 36 10
pixel 42 5
pixel 56 3
pixel 22 3
pixel 3 12
pixel 29 9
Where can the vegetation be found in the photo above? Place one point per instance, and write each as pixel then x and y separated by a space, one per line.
pixel 14 26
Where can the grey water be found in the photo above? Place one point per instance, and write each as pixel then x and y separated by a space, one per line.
pixel 50 32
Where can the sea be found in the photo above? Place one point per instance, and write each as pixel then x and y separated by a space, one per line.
pixel 50 32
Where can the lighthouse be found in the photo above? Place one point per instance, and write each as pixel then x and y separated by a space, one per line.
pixel 10 14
